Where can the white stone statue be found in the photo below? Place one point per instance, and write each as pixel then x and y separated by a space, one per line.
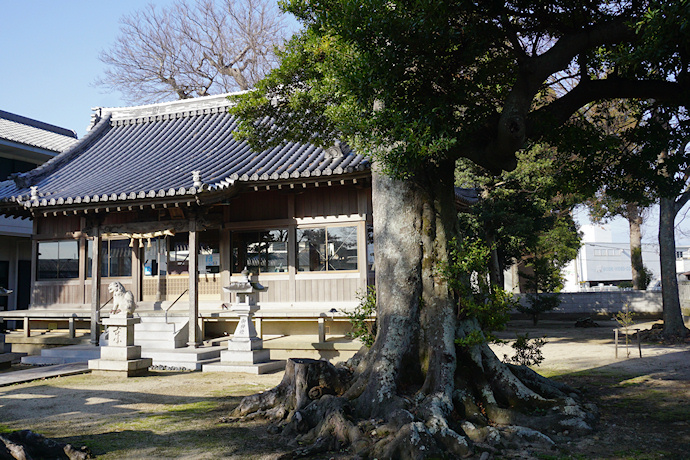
pixel 123 301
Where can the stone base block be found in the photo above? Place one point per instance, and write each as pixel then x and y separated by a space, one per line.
pixel 129 368
pixel 121 353
pixel 246 345
pixel 245 357
pixel 256 369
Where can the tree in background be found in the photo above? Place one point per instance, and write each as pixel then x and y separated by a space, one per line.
pixel 524 214
pixel 418 86
pixel 643 160
pixel 603 208
pixel 193 49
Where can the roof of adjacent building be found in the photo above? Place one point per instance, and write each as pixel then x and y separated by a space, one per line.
pixel 155 150
pixel 26 131
pixel 466 196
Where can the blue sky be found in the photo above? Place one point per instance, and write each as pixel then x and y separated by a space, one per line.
pixel 49 57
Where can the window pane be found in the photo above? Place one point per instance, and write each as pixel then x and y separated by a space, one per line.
pixel 89 257
pixel 155 257
pixel 104 258
pixel 260 251
pixel 120 258
pixel 311 249
pixel 69 259
pixel 274 251
pixel 342 248
pixel 48 260
pixel 179 254
pixel 209 252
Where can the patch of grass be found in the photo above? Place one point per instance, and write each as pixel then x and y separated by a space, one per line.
pixel 636 454
pixel 5 429
pixel 197 408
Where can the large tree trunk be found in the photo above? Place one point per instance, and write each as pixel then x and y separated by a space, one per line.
pixel 416 393
pixel 634 215
pixel 673 318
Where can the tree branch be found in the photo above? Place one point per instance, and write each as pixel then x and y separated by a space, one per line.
pixel 560 110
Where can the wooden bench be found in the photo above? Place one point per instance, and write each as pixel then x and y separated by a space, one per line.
pixel 615 338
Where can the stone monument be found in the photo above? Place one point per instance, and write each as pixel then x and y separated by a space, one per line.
pixel 121 356
pixel 245 351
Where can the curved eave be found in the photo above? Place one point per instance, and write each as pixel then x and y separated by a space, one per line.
pixel 24 206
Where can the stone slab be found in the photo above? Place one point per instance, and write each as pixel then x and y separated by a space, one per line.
pixel 27 375
pixel 129 368
pixel 256 369
pixel 121 353
pixel 245 345
pixel 245 357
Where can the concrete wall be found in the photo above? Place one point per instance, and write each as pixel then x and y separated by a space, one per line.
pixel 647 303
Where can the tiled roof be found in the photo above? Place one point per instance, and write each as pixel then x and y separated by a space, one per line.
pixel 152 151
pixel 466 196
pixel 22 130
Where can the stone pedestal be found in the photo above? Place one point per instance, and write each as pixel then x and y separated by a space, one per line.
pixel 120 356
pixel 245 351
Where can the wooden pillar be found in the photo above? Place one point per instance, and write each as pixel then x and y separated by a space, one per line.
pixel 96 256
pixel 225 264
pixel 136 271
pixel 292 250
pixel 194 331
pixel 34 262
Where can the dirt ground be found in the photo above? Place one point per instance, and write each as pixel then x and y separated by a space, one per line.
pixel 644 404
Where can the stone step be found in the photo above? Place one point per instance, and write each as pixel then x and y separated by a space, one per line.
pixel 157 327
pixel 74 351
pixel 184 365
pixel 159 341
pixel 257 369
pixel 63 355
pixel 183 358
pixel 182 354
pixel 7 359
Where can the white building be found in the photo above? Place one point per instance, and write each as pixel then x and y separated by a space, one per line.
pixel 603 261
pixel 24 144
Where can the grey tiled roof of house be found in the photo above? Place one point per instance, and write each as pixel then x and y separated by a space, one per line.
pixel 152 151
pixel 26 131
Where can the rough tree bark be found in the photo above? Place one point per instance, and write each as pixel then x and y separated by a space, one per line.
pixel 634 216
pixel 416 393
pixel 672 315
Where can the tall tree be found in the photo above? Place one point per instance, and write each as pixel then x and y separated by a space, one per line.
pixel 603 208
pixel 419 86
pixel 191 49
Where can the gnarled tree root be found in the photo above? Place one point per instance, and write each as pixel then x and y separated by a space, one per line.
pixel 495 406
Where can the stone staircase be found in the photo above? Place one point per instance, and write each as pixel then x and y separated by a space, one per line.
pixel 156 332
pixel 162 339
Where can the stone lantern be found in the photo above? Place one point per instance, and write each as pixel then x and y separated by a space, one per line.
pixel 245 351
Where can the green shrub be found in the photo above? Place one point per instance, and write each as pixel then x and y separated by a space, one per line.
pixel 527 351
pixel 363 326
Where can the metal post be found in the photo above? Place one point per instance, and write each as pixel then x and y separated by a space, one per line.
pixel 72 327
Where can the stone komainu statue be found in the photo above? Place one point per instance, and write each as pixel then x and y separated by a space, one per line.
pixel 123 301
